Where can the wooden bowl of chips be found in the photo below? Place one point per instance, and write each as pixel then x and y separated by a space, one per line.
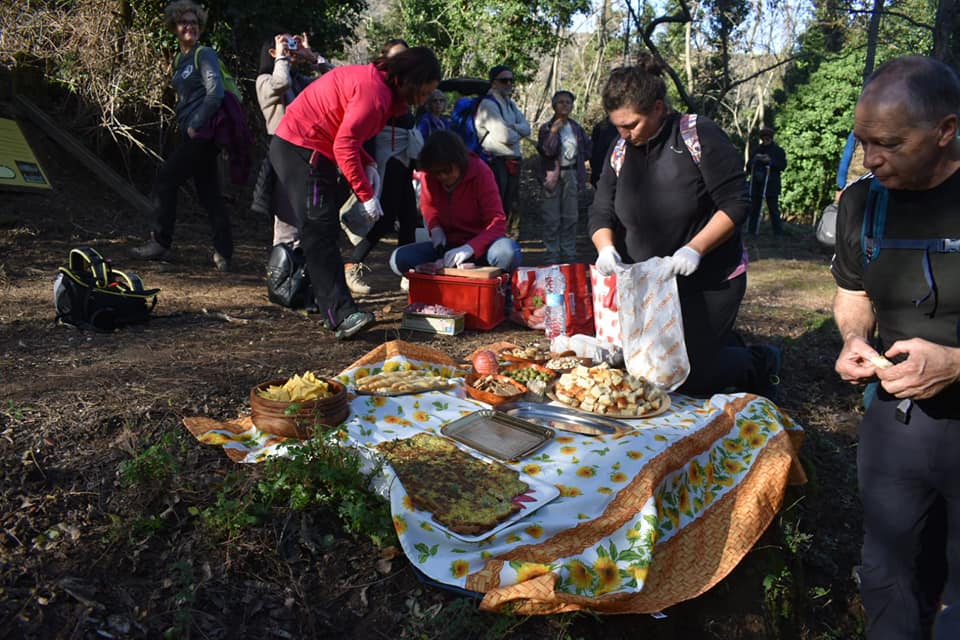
pixel 492 381
pixel 298 419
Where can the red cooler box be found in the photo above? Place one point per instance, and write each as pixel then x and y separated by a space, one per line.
pixel 484 301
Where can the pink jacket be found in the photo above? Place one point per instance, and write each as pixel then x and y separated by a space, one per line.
pixel 337 113
pixel 470 214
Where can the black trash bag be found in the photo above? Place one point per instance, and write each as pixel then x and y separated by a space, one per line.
pixel 287 281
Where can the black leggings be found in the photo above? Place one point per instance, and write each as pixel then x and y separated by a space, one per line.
pixel 718 360
pixel 195 159
pixel 316 194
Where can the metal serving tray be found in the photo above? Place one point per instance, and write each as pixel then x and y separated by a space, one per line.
pixel 564 419
pixel 497 434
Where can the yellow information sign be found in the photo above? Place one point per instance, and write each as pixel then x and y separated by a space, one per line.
pixel 18 166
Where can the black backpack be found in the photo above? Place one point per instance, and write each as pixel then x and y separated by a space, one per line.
pixel 89 293
pixel 287 281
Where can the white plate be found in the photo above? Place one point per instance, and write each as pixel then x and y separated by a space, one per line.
pixel 540 492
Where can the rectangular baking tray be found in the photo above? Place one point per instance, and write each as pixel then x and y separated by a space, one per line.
pixel 564 419
pixel 497 434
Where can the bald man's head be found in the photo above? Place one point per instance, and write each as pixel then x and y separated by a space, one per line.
pixel 928 88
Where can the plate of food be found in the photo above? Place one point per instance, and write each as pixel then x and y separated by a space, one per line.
pixel 399 383
pixel 493 388
pixel 524 354
pixel 468 496
pixel 602 390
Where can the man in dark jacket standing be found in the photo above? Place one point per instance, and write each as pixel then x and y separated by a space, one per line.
pixel 764 167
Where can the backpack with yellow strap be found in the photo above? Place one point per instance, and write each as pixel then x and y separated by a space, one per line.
pixel 89 293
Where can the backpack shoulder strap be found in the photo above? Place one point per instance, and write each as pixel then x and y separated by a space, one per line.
pixel 691 138
pixel 616 156
pixel 84 259
pixel 874 220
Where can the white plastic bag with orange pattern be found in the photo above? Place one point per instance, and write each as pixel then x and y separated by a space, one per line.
pixel 606 315
pixel 651 323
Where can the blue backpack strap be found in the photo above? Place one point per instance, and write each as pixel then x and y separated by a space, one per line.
pixel 872 241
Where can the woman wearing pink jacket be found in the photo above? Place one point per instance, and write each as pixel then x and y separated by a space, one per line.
pixel 461 207
pixel 318 156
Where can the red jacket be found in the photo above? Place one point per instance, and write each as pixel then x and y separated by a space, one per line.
pixel 470 214
pixel 337 113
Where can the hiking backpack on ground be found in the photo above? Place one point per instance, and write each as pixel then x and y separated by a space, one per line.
pixel 88 293
pixel 287 281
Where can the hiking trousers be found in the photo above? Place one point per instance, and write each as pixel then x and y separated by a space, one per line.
pixel 756 208
pixel 196 159
pixel 910 489
pixel 561 210
pixel 316 194
pixel 508 183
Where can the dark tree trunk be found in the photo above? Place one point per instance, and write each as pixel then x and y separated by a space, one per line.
pixel 946 42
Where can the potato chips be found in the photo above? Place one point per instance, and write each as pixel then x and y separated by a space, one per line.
pixel 297 389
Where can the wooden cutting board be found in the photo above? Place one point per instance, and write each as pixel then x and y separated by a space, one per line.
pixel 482 273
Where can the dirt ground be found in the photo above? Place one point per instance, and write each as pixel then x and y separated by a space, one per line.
pixel 75 405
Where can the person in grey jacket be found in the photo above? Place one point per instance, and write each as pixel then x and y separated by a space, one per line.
pixel 199 86
pixel 564 148
pixel 279 81
pixel 500 126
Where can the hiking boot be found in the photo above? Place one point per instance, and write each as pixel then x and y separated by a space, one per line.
pixel 768 360
pixel 223 265
pixel 355 281
pixel 153 250
pixel 354 324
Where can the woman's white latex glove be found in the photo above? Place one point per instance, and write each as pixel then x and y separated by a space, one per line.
pixel 608 260
pixel 685 261
pixel 372 209
pixel 438 237
pixel 456 257
pixel 374 177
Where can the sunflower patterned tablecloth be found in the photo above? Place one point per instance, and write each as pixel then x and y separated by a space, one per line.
pixel 644 520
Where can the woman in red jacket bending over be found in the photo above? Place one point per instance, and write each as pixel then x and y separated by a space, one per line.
pixel 461 207
pixel 318 157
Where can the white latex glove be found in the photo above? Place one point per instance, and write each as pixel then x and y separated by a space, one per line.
pixel 456 257
pixel 685 261
pixel 608 260
pixel 438 237
pixel 372 209
pixel 374 177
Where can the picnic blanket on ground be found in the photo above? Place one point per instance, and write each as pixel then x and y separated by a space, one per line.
pixel 644 520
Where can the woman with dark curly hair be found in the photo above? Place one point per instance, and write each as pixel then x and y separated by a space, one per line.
pixel 199 86
pixel 657 199
pixel 318 155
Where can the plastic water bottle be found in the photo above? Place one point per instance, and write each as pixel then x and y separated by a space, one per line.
pixel 555 316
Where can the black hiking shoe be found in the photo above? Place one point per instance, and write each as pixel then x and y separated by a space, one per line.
pixel 354 324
